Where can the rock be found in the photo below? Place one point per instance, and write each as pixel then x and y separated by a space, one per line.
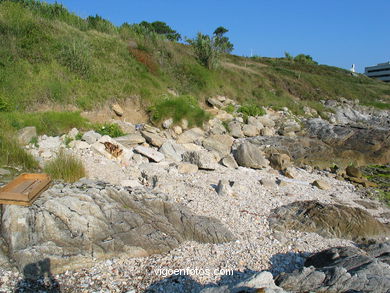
pixel 203 159
pixel 130 140
pixel 117 109
pixel 250 156
pixel 150 153
pixel 328 220
pixel 216 127
pixel 88 221
pixel 342 269
pixel 250 130
pixel 371 205
pixel 290 127
pixel 191 147
pixel 172 150
pixel 184 124
pixel 191 136
pixel 4 172
pixel 26 134
pixel 223 188
pixel 153 138
pixel 290 172
pixel 131 183
pixel 321 184
pixel 79 145
pixel 353 172
pixel 224 116
pixel 229 162
pixel 177 129
pixel 167 123
pixel 235 129
pixel 187 168
pixel 268 183
pixel 222 144
pixel 126 127
pixel 267 131
pixel 91 137
pixel 255 122
pixel 72 134
pixel 266 121
pixel 215 102
pixel 279 161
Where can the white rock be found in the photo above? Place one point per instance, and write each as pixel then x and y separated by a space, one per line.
pixel 150 153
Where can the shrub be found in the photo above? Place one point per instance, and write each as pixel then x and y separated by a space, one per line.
pixel 75 55
pixel 229 108
pixel 65 167
pixel 251 110
pixel 110 129
pixel 205 50
pixel 178 108
pixel 304 59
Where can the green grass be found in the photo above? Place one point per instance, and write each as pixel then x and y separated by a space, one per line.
pixel 110 129
pixel 65 167
pixel 251 110
pixel 51 56
pixel 50 123
pixel 178 108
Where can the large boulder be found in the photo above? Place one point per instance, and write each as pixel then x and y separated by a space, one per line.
pixel 153 138
pixel 172 150
pixel 222 144
pixel 203 159
pixel 235 129
pixel 190 136
pixel 342 269
pixel 73 225
pixel 26 134
pixel 150 153
pixel 131 140
pixel 248 155
pixel 91 137
pixel 328 220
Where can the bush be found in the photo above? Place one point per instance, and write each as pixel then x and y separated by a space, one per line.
pixel 205 50
pixel 65 167
pixel 75 55
pixel 251 110
pixel 110 129
pixel 178 108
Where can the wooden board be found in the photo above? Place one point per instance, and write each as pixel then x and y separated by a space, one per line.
pixel 24 189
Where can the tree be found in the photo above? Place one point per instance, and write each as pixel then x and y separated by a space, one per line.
pixel 162 28
pixel 222 42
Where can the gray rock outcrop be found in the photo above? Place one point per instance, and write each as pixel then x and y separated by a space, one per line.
pixel 74 224
pixel 328 220
pixel 342 269
pixel 249 155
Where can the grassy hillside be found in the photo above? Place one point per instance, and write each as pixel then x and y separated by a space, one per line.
pixel 50 56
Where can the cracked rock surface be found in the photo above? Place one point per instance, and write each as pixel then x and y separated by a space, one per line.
pixel 75 224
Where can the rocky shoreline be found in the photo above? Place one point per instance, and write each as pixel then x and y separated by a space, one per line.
pixel 218 199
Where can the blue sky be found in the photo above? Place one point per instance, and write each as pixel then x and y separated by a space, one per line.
pixel 333 32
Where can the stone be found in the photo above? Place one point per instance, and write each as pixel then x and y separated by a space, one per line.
pixel 267 131
pixel 72 134
pixel 88 221
pixel 214 102
pixel 248 155
pixel 190 136
pixel 153 138
pixel 290 172
pixel 130 140
pixel 342 269
pixel 187 168
pixel 223 188
pixel 216 127
pixel 117 109
pixel 184 124
pixel 203 159
pixel 279 161
pixel 26 134
pixel 268 183
pixel 4 172
pixel 255 122
pixel 235 129
pixel 353 171
pixel 167 123
pixel 172 150
pixel 150 153
pixel 250 130
pixel 266 121
pixel 321 184
pixel 133 183
pixel 79 145
pixel 229 162
pixel 290 127
pixel 220 143
pixel 91 137
pixel 126 127
pixel 328 220
pixel 224 116
pixel 177 129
